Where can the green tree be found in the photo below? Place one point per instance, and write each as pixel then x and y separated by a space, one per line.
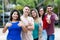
pixel 12 1
pixel 57 2
pixel 26 2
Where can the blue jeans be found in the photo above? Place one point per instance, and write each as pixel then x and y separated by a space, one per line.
pixel 44 35
pixel 51 37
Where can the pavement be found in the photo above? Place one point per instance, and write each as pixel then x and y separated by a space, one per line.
pixel 3 35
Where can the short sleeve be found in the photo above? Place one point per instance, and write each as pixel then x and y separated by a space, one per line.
pixel 32 20
pixel 56 17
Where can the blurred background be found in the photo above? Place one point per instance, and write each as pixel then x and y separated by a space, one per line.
pixel 7 5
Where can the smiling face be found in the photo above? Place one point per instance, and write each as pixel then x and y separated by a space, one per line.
pixel 15 16
pixel 26 11
pixel 49 9
pixel 34 14
pixel 41 11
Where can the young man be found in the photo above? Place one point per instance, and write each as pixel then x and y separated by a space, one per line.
pixel 51 16
pixel 29 24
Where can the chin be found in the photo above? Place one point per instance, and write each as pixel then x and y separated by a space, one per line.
pixel 15 19
pixel 26 15
pixel 34 16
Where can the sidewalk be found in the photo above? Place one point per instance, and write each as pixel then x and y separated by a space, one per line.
pixel 57 33
pixel 3 35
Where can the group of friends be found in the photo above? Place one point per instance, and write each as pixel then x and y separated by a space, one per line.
pixel 32 25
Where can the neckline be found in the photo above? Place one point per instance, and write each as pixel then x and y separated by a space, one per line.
pixel 25 17
pixel 14 22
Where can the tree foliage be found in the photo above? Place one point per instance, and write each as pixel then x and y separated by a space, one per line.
pixel 26 2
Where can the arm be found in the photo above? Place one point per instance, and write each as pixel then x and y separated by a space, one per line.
pixel 24 29
pixel 31 25
pixel 48 20
pixel 6 26
pixel 4 29
pixel 40 29
pixel 56 17
pixel 40 32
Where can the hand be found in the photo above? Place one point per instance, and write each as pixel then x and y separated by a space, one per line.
pixel 56 17
pixel 21 24
pixel 8 24
pixel 48 20
pixel 29 23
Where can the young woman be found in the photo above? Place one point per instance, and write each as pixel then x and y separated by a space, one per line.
pixel 37 24
pixel 45 24
pixel 15 26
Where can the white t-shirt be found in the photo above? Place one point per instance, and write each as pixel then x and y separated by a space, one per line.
pixel 48 16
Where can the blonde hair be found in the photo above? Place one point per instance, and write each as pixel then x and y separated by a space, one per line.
pixel 37 16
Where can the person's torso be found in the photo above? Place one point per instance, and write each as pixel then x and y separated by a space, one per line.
pixel 36 30
pixel 45 24
pixel 14 31
pixel 26 20
pixel 50 29
pixel 28 35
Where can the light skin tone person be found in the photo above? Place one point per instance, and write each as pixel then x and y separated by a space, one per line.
pixel 41 11
pixel 50 11
pixel 37 19
pixel 14 19
pixel 26 12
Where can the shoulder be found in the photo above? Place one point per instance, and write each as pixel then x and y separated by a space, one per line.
pixel 19 24
pixel 54 15
pixel 8 24
pixel 30 18
pixel 21 17
pixel 40 20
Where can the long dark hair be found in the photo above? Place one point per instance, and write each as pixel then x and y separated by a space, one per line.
pixel 18 19
pixel 43 13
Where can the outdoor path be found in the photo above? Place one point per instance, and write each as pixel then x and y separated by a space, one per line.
pixel 3 35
